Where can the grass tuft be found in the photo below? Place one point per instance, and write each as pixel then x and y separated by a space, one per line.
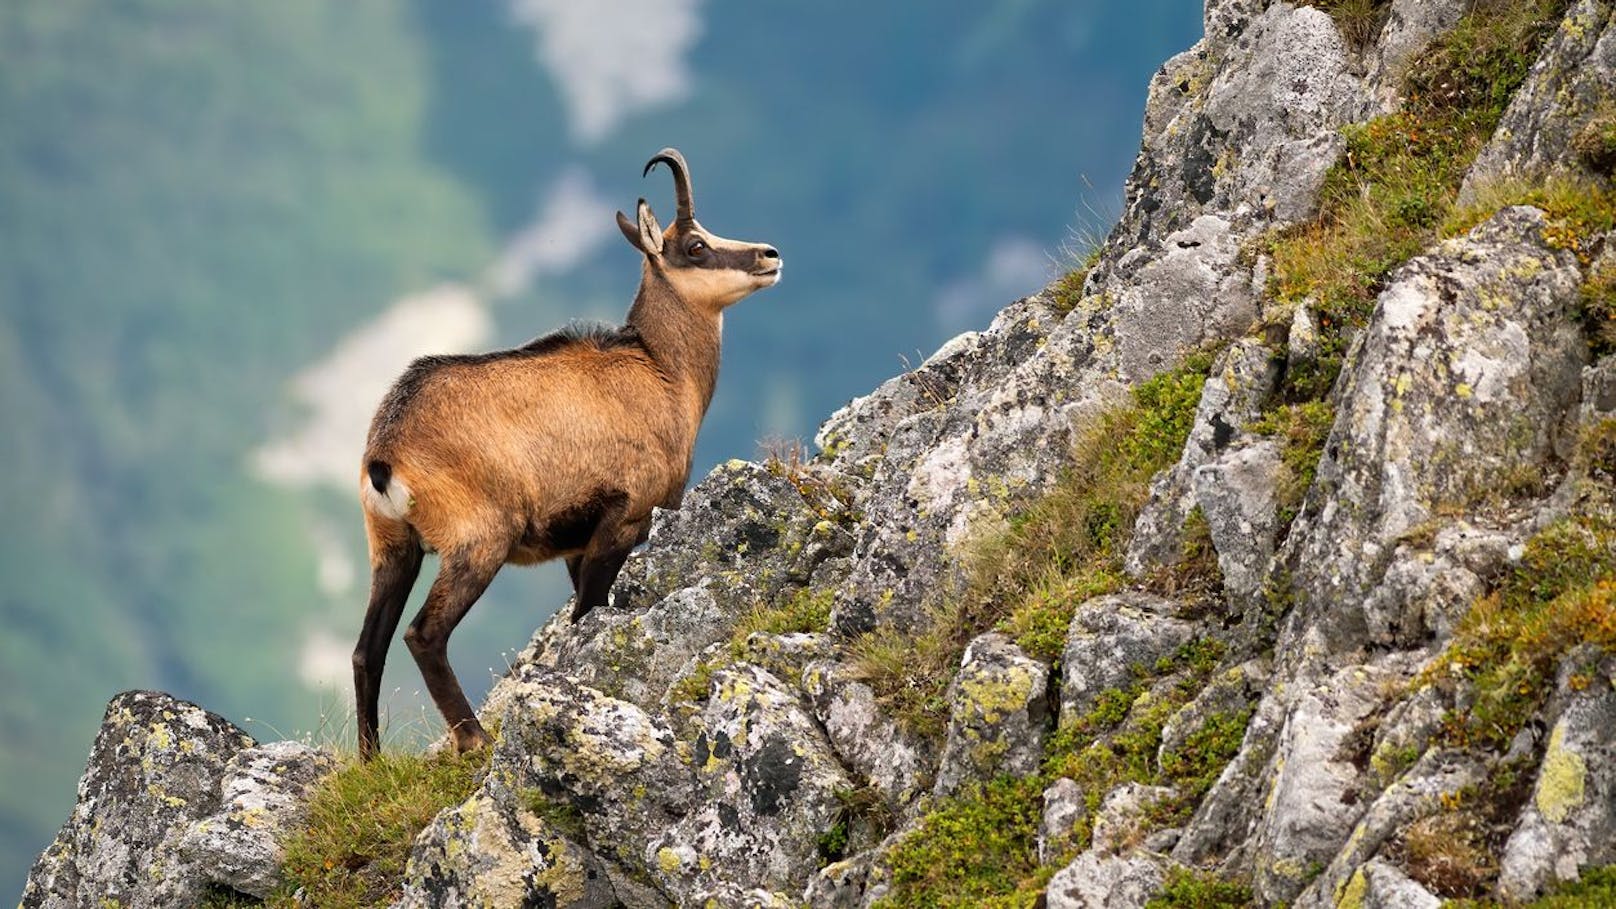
pixel 363 819
pixel 1189 889
pixel 1069 289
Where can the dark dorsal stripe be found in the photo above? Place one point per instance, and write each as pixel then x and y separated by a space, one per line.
pixel 597 335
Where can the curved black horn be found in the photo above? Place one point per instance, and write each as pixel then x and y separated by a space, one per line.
pixel 681 180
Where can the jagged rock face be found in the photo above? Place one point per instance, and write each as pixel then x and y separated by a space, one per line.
pixel 897 763
pixel 1098 881
pixel 1573 83
pixel 653 755
pixel 1109 640
pixel 1245 122
pixel 1241 382
pixel 155 770
pixel 999 708
pixel 1458 390
pixel 493 851
pixel 767 784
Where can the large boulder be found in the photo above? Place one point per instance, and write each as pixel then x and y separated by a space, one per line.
pixel 155 770
pixel 263 801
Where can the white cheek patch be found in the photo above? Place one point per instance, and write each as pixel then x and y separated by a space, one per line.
pixel 394 503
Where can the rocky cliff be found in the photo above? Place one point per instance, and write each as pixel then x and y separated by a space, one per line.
pixel 1265 560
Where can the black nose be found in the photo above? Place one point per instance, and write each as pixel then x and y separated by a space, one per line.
pixel 770 252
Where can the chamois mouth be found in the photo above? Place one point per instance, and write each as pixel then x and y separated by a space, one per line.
pixel 767 272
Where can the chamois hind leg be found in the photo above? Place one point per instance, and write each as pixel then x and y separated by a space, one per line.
pixel 396 562
pixel 462 577
pixel 603 558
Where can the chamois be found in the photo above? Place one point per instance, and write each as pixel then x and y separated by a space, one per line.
pixel 556 449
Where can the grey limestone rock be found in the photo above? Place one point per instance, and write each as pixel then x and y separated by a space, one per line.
pixel 1246 121
pixel 1380 885
pixel 868 741
pixel 1466 379
pixel 1064 808
pixel 1236 493
pixel 1241 381
pixel 1412 26
pixel 1192 290
pixel 155 769
pixel 1120 823
pixel 622 768
pixel 264 799
pixel 1573 82
pixel 493 852
pixel 1098 881
pixel 1570 822
pixel 998 713
pixel 1434 777
pixel 766 789
pixel 1110 640
pixel 1309 806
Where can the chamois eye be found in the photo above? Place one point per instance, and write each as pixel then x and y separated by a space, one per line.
pixel 696 249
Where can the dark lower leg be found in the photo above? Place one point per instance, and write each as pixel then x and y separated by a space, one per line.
pixel 603 558
pixel 390 583
pixel 573 562
pixel 461 580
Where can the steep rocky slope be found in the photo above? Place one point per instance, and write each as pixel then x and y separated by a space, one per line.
pixel 1268 561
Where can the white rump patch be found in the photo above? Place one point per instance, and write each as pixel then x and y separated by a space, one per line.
pixel 394 503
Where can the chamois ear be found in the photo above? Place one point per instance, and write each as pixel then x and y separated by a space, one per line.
pixel 650 230
pixel 645 236
pixel 630 231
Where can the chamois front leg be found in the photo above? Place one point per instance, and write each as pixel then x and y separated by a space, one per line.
pixel 462 578
pixel 397 564
pixel 609 546
pixel 573 564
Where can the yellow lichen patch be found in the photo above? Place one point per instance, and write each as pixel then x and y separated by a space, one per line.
pixel 668 860
pixel 992 697
pixel 1561 786
pixel 1353 891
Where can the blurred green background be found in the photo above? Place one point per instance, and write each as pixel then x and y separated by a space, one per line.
pixel 225 226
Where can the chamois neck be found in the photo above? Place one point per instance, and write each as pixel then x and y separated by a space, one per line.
pixel 683 341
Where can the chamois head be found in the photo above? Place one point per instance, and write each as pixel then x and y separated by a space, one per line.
pixel 703 268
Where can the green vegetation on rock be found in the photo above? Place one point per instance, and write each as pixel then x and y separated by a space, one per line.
pixel 362 821
pixel 978 848
pixel 1059 550
pixel 1389 197
pixel 1560 595
pixel 1187 889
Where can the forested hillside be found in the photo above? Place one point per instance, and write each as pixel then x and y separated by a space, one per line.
pixel 200 199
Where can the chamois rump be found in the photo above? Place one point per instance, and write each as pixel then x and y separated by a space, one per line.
pixel 556 449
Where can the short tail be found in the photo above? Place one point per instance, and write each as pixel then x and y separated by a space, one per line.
pixel 386 496
pixel 380 472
